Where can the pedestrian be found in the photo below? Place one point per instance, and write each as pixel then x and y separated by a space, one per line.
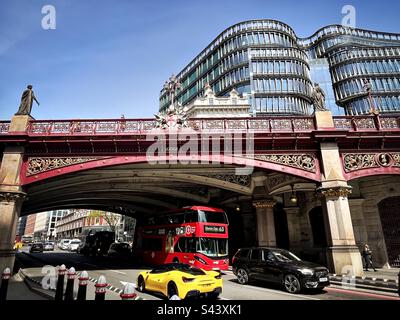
pixel 367 255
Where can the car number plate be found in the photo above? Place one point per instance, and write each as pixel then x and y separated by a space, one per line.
pixel 323 279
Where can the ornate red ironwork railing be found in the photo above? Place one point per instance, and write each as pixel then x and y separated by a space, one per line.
pixel 4 127
pixel 142 126
pixel 367 123
pixel 262 124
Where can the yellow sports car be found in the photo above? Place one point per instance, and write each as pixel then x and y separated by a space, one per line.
pixel 181 280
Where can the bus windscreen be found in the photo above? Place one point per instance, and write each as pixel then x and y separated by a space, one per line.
pixel 213 217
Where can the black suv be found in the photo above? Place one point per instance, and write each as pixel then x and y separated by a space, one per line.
pixel 279 266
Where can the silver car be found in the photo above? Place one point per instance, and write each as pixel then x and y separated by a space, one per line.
pixel 48 246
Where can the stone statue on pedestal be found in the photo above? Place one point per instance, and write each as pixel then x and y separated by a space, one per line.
pixel 318 97
pixel 26 102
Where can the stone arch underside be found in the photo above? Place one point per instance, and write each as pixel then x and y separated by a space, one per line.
pixel 112 183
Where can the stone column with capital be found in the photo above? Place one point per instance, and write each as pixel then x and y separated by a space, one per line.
pixel 342 254
pixel 11 193
pixel 265 222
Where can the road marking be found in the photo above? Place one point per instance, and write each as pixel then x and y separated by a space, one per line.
pixel 222 298
pixel 354 292
pixel 124 283
pixel 116 271
pixel 279 292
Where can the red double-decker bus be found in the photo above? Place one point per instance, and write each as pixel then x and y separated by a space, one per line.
pixel 194 235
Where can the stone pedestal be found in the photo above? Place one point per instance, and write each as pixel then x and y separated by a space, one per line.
pixel 265 223
pixel 324 120
pixel 19 123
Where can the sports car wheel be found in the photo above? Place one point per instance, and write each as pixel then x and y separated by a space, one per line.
pixel 172 290
pixel 141 285
pixel 292 283
pixel 242 276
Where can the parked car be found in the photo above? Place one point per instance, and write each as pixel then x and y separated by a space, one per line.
pixel 64 244
pixel 182 280
pixel 36 247
pixel 119 249
pixel 49 246
pixel 279 266
pixel 74 244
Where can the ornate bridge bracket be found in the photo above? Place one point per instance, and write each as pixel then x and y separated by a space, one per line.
pixel 333 192
pixel 12 196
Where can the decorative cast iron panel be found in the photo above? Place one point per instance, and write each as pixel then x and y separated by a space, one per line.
pixel 357 161
pixel 40 165
pixel 300 161
pixel 242 180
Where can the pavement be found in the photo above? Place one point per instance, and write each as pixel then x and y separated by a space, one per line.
pixel 19 290
pixel 34 278
pixel 386 280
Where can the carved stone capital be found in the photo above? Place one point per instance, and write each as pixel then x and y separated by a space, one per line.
pixel 12 196
pixel 333 192
pixel 266 203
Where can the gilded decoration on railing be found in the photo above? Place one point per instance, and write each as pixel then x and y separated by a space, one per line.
pixel 267 203
pixel 40 165
pixel 334 192
pixel 365 123
pixel 303 124
pixel 359 123
pixel 389 123
pixel 300 161
pixel 258 124
pixel 236 124
pixel 358 161
pixel 342 123
pixel 4 127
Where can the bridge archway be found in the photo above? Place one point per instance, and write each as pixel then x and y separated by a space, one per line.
pixel 390 220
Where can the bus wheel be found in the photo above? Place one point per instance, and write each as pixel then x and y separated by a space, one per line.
pixel 141 285
pixel 172 290
pixel 176 260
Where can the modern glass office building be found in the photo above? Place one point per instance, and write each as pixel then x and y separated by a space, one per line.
pixel 266 61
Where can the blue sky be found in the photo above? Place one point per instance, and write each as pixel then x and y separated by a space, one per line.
pixel 109 57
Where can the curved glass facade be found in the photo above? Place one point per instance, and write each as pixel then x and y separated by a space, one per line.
pixel 265 60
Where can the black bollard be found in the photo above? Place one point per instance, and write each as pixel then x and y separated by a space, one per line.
pixel 100 292
pixel 83 279
pixel 69 291
pixel 60 283
pixel 4 284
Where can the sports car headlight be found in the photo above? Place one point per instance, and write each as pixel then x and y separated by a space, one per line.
pixel 306 271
